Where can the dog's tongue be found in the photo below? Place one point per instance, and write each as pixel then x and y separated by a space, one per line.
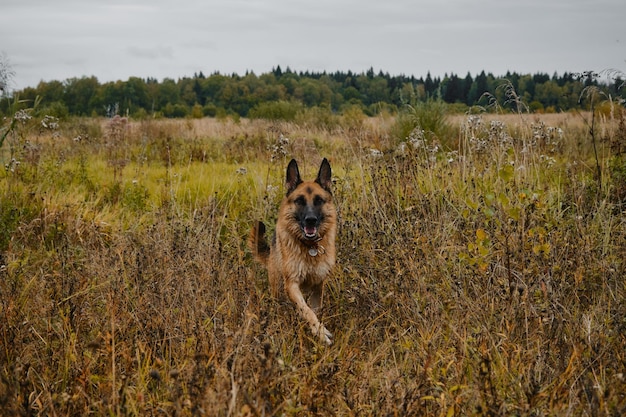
pixel 310 231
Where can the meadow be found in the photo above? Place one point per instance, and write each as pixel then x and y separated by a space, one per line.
pixel 481 264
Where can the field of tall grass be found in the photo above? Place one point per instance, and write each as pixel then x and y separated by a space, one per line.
pixel 481 264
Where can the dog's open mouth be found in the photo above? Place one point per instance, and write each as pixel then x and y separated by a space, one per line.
pixel 310 232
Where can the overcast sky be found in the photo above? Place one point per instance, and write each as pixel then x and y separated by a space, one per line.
pixel 114 40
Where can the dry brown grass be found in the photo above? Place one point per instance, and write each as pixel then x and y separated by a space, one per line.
pixel 484 280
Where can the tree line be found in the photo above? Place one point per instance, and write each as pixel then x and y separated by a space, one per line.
pixel 249 95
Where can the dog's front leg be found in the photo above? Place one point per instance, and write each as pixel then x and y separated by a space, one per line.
pixel 318 329
pixel 315 297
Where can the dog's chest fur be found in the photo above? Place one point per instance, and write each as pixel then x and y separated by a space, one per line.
pixel 309 269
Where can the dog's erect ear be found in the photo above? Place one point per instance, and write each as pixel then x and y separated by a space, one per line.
pixel 293 176
pixel 324 176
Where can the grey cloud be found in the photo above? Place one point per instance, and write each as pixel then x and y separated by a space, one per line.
pixel 158 38
pixel 156 52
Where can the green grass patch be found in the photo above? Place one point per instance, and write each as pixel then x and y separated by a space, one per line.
pixel 483 277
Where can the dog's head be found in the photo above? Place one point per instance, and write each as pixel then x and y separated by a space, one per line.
pixel 310 202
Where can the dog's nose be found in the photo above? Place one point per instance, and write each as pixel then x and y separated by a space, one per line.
pixel 310 220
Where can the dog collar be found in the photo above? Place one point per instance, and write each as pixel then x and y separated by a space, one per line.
pixel 314 250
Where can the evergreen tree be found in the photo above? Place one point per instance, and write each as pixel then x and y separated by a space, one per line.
pixel 467 86
pixel 478 89
pixel 429 85
pixel 450 89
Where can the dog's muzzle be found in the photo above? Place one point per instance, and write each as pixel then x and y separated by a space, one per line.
pixel 310 227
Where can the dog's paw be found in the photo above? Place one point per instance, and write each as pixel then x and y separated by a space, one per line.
pixel 324 335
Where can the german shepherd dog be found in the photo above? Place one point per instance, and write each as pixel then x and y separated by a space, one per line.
pixel 302 252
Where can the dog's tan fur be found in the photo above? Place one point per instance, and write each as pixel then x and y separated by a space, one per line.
pixel 298 259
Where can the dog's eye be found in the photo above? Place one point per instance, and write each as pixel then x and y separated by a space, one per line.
pixel 318 201
pixel 300 201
